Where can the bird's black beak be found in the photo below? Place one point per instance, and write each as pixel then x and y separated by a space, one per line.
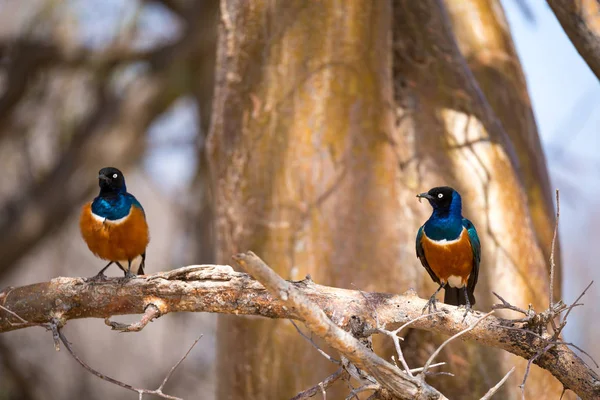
pixel 103 177
pixel 425 196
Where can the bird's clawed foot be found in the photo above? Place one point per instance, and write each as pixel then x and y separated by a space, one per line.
pixel 468 309
pixel 467 305
pixel 99 277
pixel 129 275
pixel 431 304
pixel 432 300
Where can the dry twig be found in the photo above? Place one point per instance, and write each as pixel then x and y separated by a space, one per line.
pixel 388 376
pixel 212 288
pixel 157 392
pixel 493 390
pixel 450 339
pixel 322 386
pixel 152 312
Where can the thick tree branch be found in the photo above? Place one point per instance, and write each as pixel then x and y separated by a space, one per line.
pixel 581 21
pixel 387 375
pixel 217 288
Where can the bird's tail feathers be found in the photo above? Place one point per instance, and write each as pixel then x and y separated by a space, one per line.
pixel 456 296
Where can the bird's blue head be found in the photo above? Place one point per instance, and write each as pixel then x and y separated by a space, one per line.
pixel 446 202
pixel 111 182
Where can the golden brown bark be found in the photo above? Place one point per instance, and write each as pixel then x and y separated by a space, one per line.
pixel 311 173
pixel 303 168
pixel 452 135
pixel 484 38
pixel 457 138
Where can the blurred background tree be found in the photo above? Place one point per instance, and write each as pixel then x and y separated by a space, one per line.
pixel 327 118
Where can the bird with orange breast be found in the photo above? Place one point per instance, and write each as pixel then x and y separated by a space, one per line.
pixel 448 247
pixel 114 225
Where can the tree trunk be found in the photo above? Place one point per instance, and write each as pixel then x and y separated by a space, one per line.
pixel 455 137
pixel 328 118
pixel 484 39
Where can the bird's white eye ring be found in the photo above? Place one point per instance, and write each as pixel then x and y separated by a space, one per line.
pixel 440 196
pixel 115 176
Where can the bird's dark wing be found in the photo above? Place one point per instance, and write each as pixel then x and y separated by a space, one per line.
pixel 135 202
pixel 421 256
pixel 476 246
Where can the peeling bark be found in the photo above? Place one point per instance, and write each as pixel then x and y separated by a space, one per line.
pixel 328 118
pixel 302 168
pixel 448 133
pixel 219 289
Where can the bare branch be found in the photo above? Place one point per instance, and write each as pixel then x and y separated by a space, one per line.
pixel 327 356
pixel 217 288
pixel 493 390
pixel 437 351
pixel 322 386
pixel 164 382
pixel 507 306
pixel 575 303
pixel 579 21
pixel 152 312
pixel 390 377
pixel 158 392
pixel 531 361
pixel 552 263
pixel 362 389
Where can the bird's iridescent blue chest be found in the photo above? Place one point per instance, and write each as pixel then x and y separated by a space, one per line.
pixel 114 207
pixel 448 227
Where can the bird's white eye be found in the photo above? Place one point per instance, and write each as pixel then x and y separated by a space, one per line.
pixel 115 177
pixel 440 196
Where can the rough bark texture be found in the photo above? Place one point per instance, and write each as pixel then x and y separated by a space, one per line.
pixel 217 288
pixel 485 41
pixel 449 134
pixel 304 173
pixel 484 38
pixel 310 170
pixel 581 21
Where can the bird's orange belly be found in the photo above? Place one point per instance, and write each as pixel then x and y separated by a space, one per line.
pixel 451 260
pixel 115 241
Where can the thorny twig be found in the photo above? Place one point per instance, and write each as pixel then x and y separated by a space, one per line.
pixel 327 356
pixel 493 390
pixel 437 351
pixel 529 362
pixel 552 263
pixel 396 339
pixel 316 320
pixel 363 388
pixel 541 322
pixel 575 303
pixel 58 336
pixel 557 342
pixel 158 392
pixel 321 386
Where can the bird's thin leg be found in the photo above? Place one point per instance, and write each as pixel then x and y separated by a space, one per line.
pixel 468 305
pixel 100 275
pixel 432 299
pixel 128 273
pixel 120 266
pixel 142 269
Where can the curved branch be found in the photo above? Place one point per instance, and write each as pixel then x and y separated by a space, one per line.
pixel 219 289
pixel 581 22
